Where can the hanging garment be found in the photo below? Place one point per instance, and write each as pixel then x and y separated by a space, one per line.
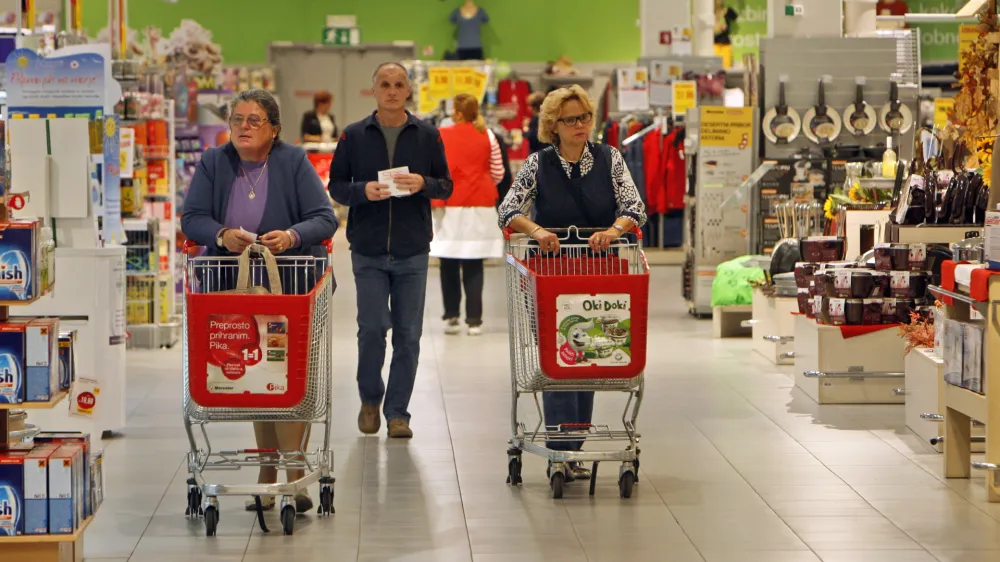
pixel 653 174
pixel 674 172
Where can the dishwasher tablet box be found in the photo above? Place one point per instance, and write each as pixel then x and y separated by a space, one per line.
pixel 67 359
pixel 36 490
pixel 41 353
pixel 19 271
pixel 12 376
pixel 972 356
pixel 12 493
pixel 65 489
pixel 96 480
pixel 73 438
pixel 953 344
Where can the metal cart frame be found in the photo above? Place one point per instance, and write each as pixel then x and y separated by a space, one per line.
pixel 303 275
pixel 529 376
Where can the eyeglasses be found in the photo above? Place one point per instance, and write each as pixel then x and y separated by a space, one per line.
pixel 574 119
pixel 253 121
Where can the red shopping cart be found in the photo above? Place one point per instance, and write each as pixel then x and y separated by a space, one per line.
pixel 578 322
pixel 256 358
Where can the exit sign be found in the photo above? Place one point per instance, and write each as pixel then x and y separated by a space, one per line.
pixel 666 38
pixel 341 36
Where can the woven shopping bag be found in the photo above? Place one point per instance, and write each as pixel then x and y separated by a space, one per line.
pixel 243 276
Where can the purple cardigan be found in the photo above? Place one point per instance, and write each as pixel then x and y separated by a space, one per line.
pixel 296 198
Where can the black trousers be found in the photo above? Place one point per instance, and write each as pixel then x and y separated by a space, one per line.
pixel 456 274
pixel 470 54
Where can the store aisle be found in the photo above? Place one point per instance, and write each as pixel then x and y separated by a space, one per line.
pixel 736 466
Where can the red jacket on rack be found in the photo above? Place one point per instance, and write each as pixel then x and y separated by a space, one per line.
pixel 674 171
pixel 652 171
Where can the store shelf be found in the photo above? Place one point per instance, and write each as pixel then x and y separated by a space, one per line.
pixel 969 403
pixel 36 539
pixel 37 405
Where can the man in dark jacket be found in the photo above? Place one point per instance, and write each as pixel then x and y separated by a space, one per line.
pixel 390 241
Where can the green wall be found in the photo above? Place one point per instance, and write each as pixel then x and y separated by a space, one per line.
pixel 938 41
pixel 519 30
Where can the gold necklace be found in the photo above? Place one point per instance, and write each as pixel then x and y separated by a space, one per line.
pixel 253 184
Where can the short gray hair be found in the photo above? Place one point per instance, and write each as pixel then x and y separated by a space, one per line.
pixel 388 64
pixel 265 100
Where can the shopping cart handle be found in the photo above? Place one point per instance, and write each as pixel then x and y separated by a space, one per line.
pixel 192 248
pixel 508 232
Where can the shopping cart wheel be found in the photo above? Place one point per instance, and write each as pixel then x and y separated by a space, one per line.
pixel 326 500
pixel 211 520
pixel 557 480
pixel 625 483
pixel 514 471
pixel 288 519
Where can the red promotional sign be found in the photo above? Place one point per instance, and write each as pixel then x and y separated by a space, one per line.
pixel 233 343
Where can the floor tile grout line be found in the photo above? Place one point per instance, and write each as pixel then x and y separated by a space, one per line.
pixel 451 440
pixel 769 418
pixel 155 510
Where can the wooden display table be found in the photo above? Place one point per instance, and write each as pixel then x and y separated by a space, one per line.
pixel 961 406
pixel 731 321
pixel 925 392
pixel 45 548
pixel 832 369
pixel 773 327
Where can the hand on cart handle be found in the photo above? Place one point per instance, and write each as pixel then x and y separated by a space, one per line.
pixel 192 248
pixel 547 241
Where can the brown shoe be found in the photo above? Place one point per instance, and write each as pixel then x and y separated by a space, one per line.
pixel 400 429
pixel 369 420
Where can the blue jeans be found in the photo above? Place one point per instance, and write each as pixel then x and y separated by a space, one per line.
pixel 567 407
pixel 390 293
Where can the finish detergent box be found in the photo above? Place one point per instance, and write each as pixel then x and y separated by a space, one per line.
pixel 81 440
pixel 67 359
pixel 19 261
pixel 41 358
pixel 12 372
pixel 12 493
pixel 65 489
pixel 36 490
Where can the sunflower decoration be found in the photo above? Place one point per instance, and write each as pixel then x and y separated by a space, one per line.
pixel 984 152
pixel 975 105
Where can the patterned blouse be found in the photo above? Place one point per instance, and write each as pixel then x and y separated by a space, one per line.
pixel 523 191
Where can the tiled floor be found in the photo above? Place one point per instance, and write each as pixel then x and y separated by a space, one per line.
pixel 738 466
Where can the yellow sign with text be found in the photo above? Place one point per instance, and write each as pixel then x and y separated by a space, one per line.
pixel 440 81
pixel 727 126
pixel 942 107
pixel 685 97
pixel 424 101
pixel 967 35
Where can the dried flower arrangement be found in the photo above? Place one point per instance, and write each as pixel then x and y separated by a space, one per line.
pixel 918 333
pixel 975 104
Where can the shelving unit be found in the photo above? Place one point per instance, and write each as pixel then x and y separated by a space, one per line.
pixel 962 406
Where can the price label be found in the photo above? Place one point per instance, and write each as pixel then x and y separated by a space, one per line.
pixel 685 97
pixel 440 80
pixel 942 107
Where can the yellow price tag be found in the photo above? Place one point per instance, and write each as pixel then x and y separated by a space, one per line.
pixel 726 126
pixel 942 107
pixel 440 80
pixel 685 96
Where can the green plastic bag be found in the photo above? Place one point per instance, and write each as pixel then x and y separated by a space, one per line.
pixel 732 282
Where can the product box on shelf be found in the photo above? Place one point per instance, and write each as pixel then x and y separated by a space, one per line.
pixel 67 359
pixel 12 492
pixel 65 470
pixel 96 480
pixel 19 263
pixel 36 490
pixel 81 440
pixel 972 356
pixel 12 375
pixel 42 359
pixel 991 239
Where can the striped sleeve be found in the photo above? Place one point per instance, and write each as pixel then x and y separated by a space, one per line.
pixel 496 159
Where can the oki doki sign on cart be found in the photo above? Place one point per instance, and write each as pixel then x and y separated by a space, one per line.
pixel 594 330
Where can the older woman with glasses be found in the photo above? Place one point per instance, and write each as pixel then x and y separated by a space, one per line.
pixel 573 182
pixel 257 189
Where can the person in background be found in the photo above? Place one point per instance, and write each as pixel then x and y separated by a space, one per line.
pixel 390 240
pixel 531 129
pixel 319 125
pixel 892 8
pixel 465 232
pixel 725 17
pixel 258 189
pixel 573 182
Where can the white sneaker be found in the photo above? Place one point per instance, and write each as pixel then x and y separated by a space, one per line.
pixel 451 327
pixel 475 330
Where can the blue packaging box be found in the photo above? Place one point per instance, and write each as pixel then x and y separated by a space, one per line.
pixel 67 359
pixel 12 493
pixel 41 358
pixel 12 375
pixel 19 261
pixel 65 469
pixel 73 438
pixel 36 490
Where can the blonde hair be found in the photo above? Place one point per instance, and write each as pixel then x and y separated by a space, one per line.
pixel 468 107
pixel 552 105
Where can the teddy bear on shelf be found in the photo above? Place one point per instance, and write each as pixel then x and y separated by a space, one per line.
pixel 563 66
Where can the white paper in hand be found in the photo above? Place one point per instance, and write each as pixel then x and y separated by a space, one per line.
pixel 387 177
